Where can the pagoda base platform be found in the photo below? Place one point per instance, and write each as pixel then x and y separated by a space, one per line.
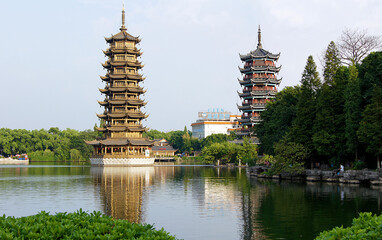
pixel 100 161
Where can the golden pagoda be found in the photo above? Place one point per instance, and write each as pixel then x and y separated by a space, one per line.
pixel 121 122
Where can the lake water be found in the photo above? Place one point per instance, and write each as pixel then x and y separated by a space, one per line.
pixel 191 202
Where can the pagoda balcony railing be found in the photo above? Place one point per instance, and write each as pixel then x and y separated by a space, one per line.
pixel 124 98
pixel 260 78
pixel 260 64
pixel 254 104
pixel 123 58
pixel 125 111
pixel 124 125
pixel 113 47
pixel 122 155
pixel 122 84
pixel 123 71
pixel 266 76
pixel 257 89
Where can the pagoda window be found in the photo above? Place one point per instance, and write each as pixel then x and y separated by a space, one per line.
pixel 119 109
pixel 131 70
pixel 119 44
pixel 119 57
pixel 119 70
pixel 130 57
pixel 119 96
pixel 118 122
pixel 129 45
pixel 119 83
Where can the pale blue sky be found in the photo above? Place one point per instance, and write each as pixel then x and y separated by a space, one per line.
pixel 51 52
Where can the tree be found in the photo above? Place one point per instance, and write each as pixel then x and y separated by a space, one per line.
pixel 370 75
pixel 352 111
pixel 370 129
pixel 289 158
pixel 302 126
pixel 329 124
pixel 277 118
pixel 332 63
pixel 354 45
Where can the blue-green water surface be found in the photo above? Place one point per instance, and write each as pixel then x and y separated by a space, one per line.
pixel 192 202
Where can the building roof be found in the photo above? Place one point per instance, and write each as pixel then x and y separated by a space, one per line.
pixel 163 148
pixel 122 35
pixel 259 52
pixel 121 142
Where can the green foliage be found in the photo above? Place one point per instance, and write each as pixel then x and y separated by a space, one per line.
pixel 370 130
pixel 51 145
pixel 337 121
pixel 352 111
pixel 228 152
pixel 266 159
pixel 302 126
pixel 289 158
pixel 370 75
pixel 358 165
pixel 78 225
pixel 332 63
pixel 366 226
pixel 278 118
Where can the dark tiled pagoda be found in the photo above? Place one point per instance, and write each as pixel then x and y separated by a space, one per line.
pixel 259 85
pixel 121 121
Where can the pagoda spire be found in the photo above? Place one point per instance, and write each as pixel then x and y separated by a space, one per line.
pixel 123 28
pixel 259 38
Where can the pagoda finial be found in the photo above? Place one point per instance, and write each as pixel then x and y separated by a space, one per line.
pixel 123 28
pixel 259 38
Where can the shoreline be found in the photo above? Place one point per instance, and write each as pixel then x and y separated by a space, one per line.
pixel 13 161
pixel 346 177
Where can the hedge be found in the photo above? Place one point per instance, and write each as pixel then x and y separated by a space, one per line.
pixel 78 225
pixel 366 226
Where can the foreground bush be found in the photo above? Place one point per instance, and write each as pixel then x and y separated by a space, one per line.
pixel 79 225
pixel 366 226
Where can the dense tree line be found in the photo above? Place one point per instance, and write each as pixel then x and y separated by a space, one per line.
pixel 337 120
pixel 185 143
pixel 47 145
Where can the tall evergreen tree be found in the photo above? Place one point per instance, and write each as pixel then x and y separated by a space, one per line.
pixel 352 110
pixel 302 127
pixel 332 63
pixel 370 74
pixel 277 118
pixel 370 129
pixel 324 130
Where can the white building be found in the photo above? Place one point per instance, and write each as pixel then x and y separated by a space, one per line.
pixel 213 123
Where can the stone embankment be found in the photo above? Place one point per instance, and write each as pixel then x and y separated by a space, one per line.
pixel 349 176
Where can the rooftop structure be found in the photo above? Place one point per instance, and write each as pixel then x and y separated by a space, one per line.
pixel 121 121
pixel 259 85
pixel 214 122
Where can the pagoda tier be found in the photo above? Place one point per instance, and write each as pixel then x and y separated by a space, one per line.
pixel 121 89
pixel 259 85
pixel 124 76
pixel 112 50
pixel 263 80
pixel 121 121
pixel 112 64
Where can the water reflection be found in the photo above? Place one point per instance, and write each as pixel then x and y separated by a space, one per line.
pixel 289 210
pixel 121 190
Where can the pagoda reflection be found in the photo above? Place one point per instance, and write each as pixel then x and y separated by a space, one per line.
pixel 121 190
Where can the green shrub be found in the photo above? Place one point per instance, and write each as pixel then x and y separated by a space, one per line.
pixel 78 225
pixel 358 165
pixel 366 226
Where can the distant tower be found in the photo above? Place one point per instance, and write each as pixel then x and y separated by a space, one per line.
pixel 259 85
pixel 121 121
